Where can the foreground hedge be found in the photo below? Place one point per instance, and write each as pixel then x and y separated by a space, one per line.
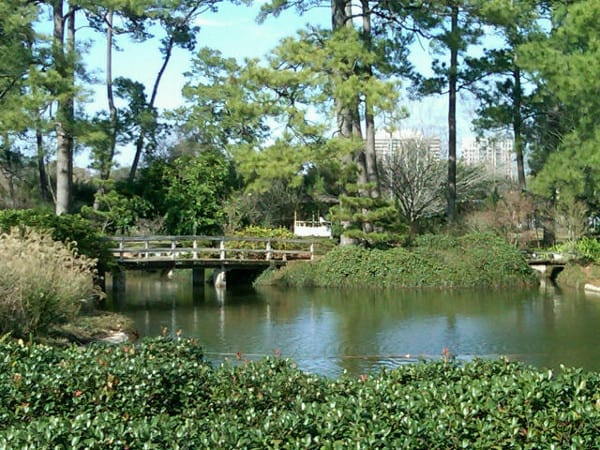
pixel 473 260
pixel 161 395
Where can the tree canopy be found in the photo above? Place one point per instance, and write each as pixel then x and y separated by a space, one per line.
pixel 293 131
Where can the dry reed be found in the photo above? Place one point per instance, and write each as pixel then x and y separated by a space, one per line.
pixel 42 282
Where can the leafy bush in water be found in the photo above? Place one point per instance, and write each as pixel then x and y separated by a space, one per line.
pixel 42 282
pixel 160 394
pixel 478 259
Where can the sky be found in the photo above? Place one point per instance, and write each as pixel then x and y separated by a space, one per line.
pixel 234 31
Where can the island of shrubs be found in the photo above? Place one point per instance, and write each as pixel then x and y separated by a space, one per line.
pixel 160 393
pixel 441 261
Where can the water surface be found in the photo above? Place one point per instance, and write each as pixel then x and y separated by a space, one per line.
pixel 328 331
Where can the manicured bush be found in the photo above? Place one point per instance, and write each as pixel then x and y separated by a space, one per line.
pixel 478 259
pixel 42 282
pixel 160 394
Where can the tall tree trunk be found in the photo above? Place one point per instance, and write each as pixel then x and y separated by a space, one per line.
pixel 339 19
pixel 70 102
pixel 518 125
pixel 8 170
pixel 110 98
pixel 140 141
pixel 41 162
pixel 106 163
pixel 370 154
pixel 63 154
pixel 167 52
pixel 452 89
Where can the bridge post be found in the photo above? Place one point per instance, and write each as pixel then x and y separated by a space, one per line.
pixel 269 251
pixel 220 279
pixel 222 249
pixel 121 246
pixel 118 282
pixel 198 277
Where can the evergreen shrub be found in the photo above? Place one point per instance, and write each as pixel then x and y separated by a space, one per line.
pixel 472 260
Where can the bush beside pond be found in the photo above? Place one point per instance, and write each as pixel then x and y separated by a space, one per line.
pixel 42 283
pixel 472 260
pixel 71 229
pixel 160 394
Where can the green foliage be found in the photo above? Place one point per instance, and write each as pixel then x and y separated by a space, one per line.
pixel 586 248
pixel 160 394
pixel 571 170
pixel 369 220
pixel 195 190
pixel 42 282
pixel 189 191
pixel 70 229
pixel 118 213
pixel 576 276
pixel 260 232
pixel 477 259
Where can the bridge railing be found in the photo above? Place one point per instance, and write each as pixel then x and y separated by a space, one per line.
pixel 128 248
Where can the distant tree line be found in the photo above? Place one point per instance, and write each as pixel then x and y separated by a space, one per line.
pixel 256 140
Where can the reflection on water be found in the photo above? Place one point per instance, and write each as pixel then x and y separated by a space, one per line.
pixel 328 331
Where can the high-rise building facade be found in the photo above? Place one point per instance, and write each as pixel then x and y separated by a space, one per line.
pixel 494 153
pixel 387 143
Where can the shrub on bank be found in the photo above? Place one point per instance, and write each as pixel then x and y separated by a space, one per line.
pixel 71 229
pixel 586 249
pixel 42 282
pixel 577 275
pixel 478 259
pixel 160 394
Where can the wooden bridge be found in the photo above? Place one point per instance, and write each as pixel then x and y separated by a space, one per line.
pixel 199 252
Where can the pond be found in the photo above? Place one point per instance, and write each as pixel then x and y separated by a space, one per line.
pixel 330 331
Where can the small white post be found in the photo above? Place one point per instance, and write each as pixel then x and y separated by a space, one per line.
pixel 220 280
pixel 173 246
pixel 146 247
pixel 195 251
pixel 222 249
pixel 269 251
pixel 312 251
pixel 121 249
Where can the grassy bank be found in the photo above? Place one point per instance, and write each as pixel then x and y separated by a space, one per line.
pixel 160 394
pixel 577 275
pixel 432 261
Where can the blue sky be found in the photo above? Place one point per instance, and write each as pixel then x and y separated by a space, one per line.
pixel 234 31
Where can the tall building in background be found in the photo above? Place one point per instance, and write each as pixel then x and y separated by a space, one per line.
pixel 494 153
pixel 387 143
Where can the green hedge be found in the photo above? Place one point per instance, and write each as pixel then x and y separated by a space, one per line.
pixel 160 394
pixel 472 260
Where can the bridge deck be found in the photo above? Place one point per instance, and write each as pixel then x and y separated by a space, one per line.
pixel 156 252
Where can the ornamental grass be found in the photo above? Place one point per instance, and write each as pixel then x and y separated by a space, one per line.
pixel 42 282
